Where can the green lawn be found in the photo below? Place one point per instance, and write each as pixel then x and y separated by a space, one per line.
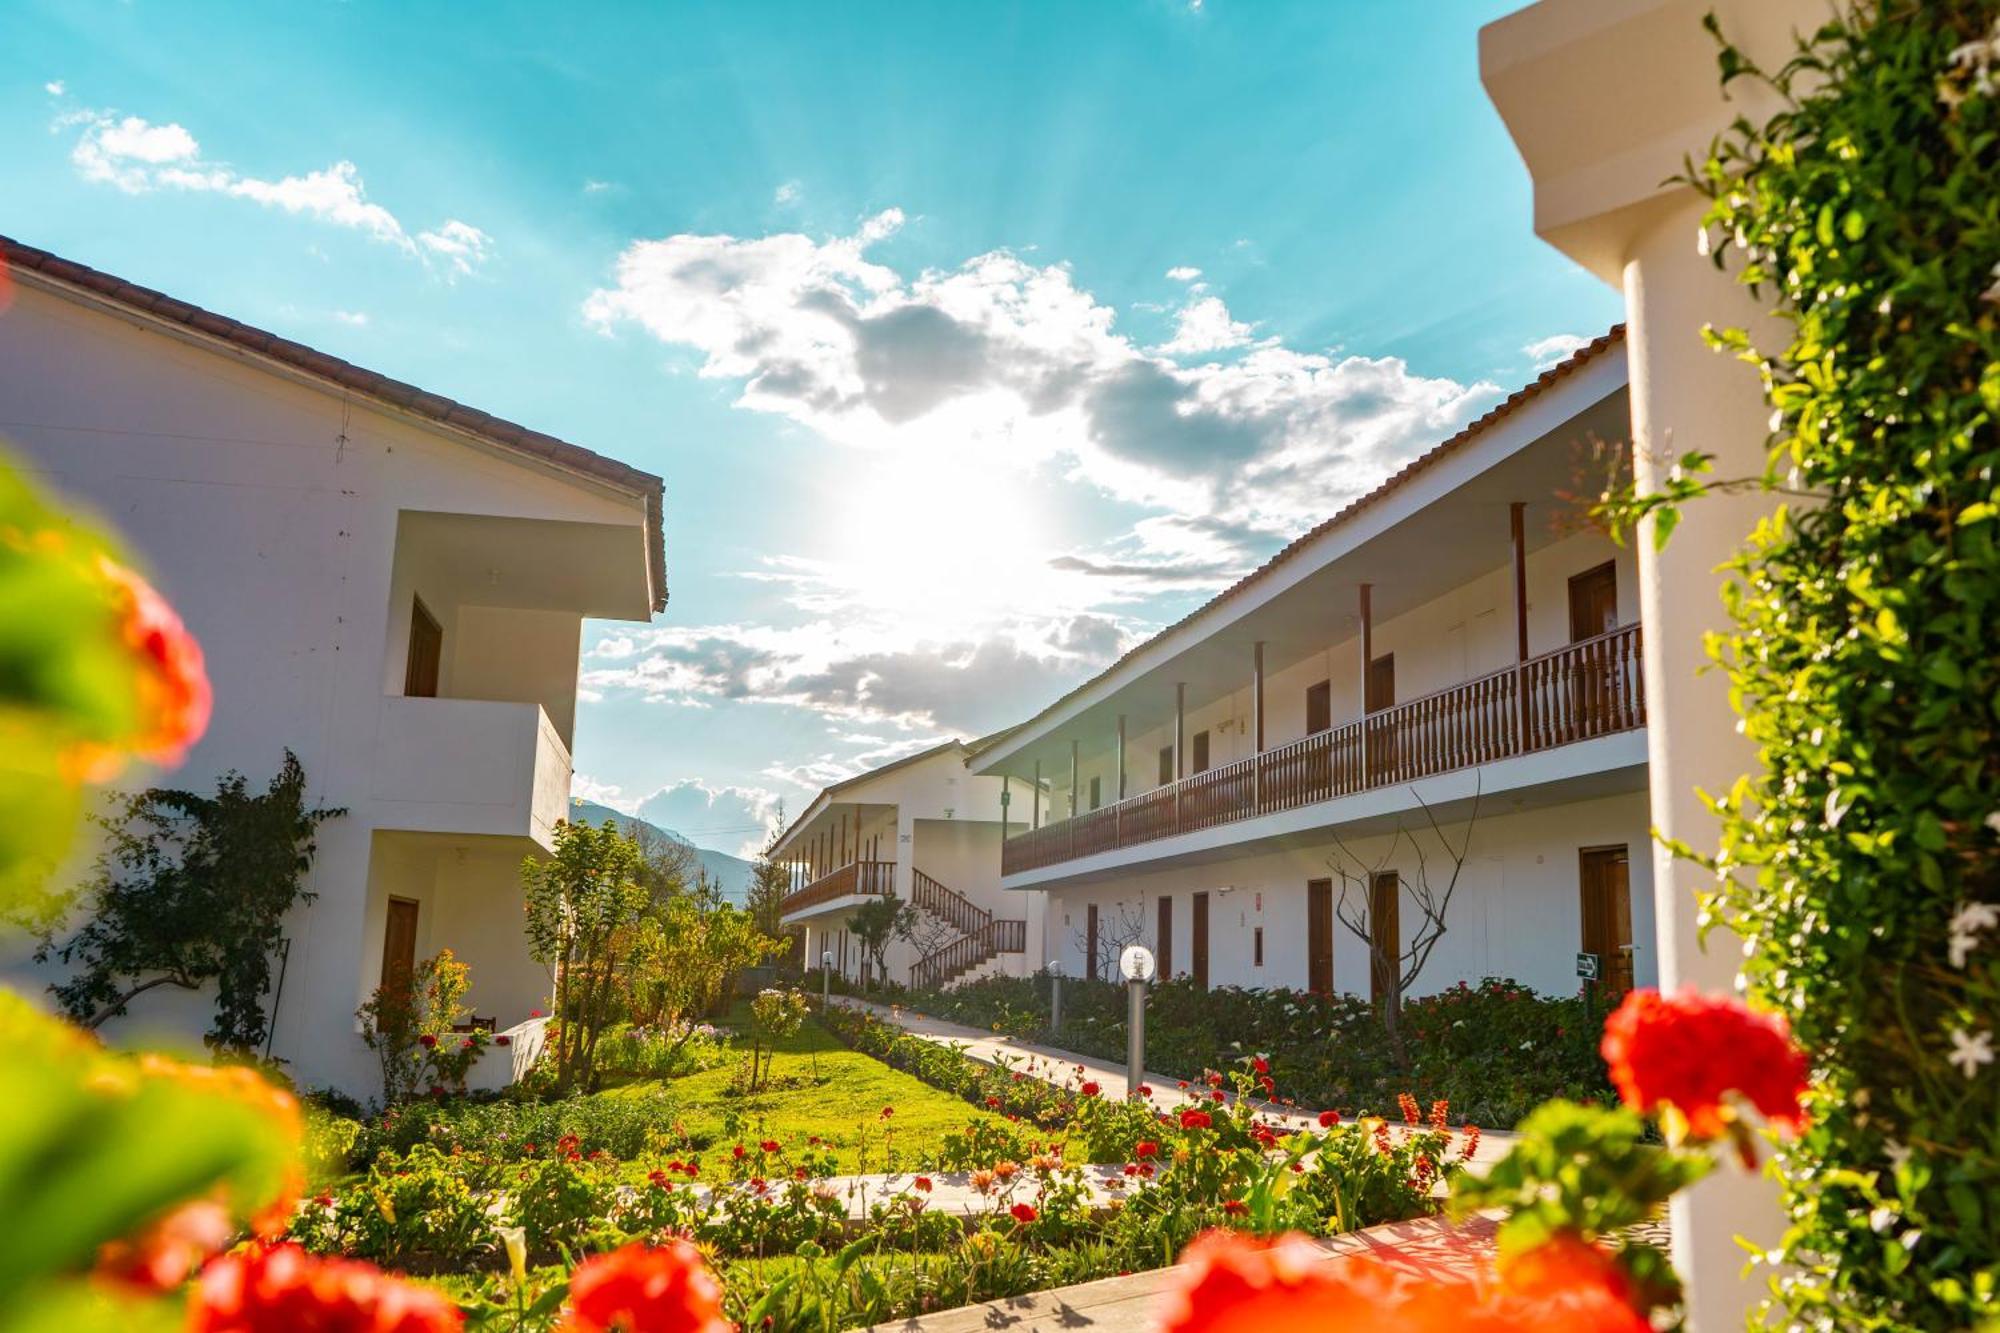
pixel 816 1087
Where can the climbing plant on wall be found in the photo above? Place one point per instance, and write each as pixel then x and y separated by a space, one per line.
pixel 1861 862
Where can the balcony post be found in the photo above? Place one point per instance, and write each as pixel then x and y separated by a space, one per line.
pixel 1074 805
pixel 1180 747
pixel 1006 799
pixel 1121 756
pixel 1257 724
pixel 1038 794
pixel 1517 523
pixel 1367 662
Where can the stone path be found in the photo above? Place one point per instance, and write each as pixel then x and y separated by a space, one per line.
pixel 1059 1066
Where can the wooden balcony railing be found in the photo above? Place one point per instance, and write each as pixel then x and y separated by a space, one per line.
pixel 870 877
pixel 1587 689
pixel 942 966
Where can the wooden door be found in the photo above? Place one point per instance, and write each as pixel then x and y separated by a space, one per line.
pixel 1166 764
pixel 420 675
pixel 399 941
pixel 1200 764
pixel 1384 909
pixel 1606 876
pixel 1165 937
pixel 1319 707
pixel 1593 602
pixel 1378 693
pixel 1200 938
pixel 1090 941
pixel 1319 936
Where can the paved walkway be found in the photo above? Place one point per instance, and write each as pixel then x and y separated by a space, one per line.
pixel 1059 1066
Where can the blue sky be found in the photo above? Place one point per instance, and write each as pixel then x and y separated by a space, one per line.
pixel 974 342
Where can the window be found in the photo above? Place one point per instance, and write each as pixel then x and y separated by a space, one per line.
pixel 420 675
pixel 1319 707
pixel 1200 752
pixel 1257 947
pixel 1096 792
pixel 1166 764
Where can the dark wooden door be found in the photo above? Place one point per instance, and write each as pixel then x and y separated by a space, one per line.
pixel 420 676
pixel 399 941
pixel 1593 602
pixel 1319 936
pixel 1606 876
pixel 1200 764
pixel 1166 764
pixel 1200 939
pixel 1385 929
pixel 1319 707
pixel 1165 936
pixel 1378 693
pixel 1090 940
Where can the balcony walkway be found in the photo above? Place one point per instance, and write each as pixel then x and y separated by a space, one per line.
pixel 856 878
pixel 1578 692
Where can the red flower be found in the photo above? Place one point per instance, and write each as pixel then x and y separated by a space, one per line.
pixel 534 1013
pixel 992 1103
pixel 1196 1120
pixel 922 1183
pixel 640 1288
pixel 888 1111
pixel 428 1041
pixel 1145 1091
pixel 1219 1096
pixel 739 1152
pixel 1091 1089
pixel 1691 1050
pixel 1024 1213
pixel 1260 1064
pixel 503 1040
pixel 285 1290
pixel 167 1251
pixel 1235 1208
pixel 1328 1119
pixel 1146 1148
pixel 174 696
pixel 768 1145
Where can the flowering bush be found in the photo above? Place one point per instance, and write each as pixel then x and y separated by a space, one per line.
pixel 1494 1051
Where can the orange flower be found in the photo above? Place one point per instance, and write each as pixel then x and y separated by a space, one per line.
pixel 285 1290
pixel 1692 1050
pixel 1232 1283
pixel 646 1289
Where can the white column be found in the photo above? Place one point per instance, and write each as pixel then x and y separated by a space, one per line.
pixel 1603 98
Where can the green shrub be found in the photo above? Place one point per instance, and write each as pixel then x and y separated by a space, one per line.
pixel 562 1201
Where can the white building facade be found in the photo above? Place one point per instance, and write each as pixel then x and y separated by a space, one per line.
pixel 926 832
pixel 1274 791
pixel 387 583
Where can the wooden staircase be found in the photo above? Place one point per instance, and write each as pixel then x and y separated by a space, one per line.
pixel 982 936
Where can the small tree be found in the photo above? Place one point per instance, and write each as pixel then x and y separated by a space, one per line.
pixel 1395 971
pixel 874 924
pixel 1114 936
pixel 769 883
pixel 774 1015
pixel 579 902
pixel 924 933
pixel 190 890
pixel 681 958
pixel 408 1023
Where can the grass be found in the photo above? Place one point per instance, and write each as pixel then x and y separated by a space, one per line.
pixel 816 1086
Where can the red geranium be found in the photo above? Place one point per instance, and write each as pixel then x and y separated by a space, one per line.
pixel 641 1288
pixel 1147 1148
pixel 1691 1050
pixel 1024 1213
pixel 174 696
pixel 428 1041
pixel 1328 1119
pixel 923 1183
pixel 286 1290
pixel 1091 1089
pixel 1196 1120
pixel 162 1256
pixel 768 1145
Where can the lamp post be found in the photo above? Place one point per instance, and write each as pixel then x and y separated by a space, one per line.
pixel 1136 965
pixel 1055 993
pixel 825 977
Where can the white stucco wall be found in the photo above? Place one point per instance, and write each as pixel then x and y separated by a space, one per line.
pixel 267 509
pixel 1517 910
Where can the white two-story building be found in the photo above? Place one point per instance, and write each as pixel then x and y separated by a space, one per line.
pixel 923 831
pixel 387 583
pixel 1418 731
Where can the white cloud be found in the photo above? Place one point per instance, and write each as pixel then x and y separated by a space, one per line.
pixel 54 88
pixel 1557 347
pixel 583 787
pixel 1204 325
pixel 459 244
pixel 357 318
pixel 1184 273
pixel 597 186
pixel 1015 365
pixel 786 193
pixel 732 819
pixel 137 156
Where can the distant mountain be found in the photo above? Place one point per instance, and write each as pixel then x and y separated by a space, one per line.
pixel 731 873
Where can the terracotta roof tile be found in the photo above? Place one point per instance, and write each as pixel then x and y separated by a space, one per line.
pixel 1589 352
pixel 408 397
